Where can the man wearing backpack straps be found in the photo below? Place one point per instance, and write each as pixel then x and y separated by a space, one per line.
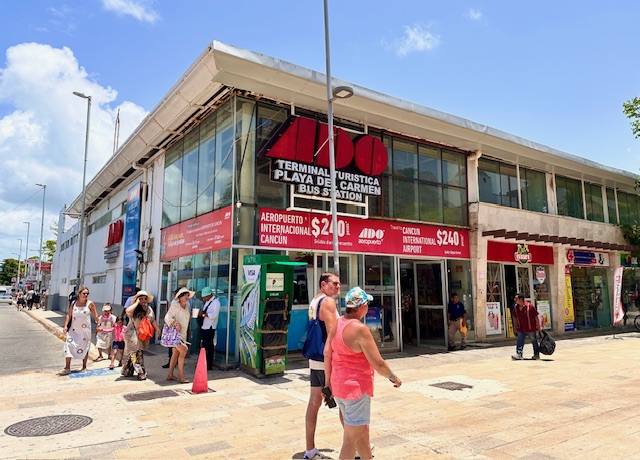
pixel 327 314
pixel 527 324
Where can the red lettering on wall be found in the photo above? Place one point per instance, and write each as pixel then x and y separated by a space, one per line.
pixel 304 137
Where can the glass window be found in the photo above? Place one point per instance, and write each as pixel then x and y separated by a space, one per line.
pixel 454 171
pixel 430 198
pixel 172 186
pixel 270 119
pixel 405 159
pixel 190 176
pixel 224 157
pixel 497 183
pixel 593 200
pixel 429 164
pixel 406 199
pixel 611 206
pixel 455 205
pixel 533 190
pixel 206 164
pixel 569 196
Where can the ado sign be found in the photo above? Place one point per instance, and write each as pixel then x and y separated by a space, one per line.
pixel 300 156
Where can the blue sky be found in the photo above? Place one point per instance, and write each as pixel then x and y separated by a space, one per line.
pixel 553 72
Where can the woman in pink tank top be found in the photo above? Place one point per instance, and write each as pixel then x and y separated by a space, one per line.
pixel 350 357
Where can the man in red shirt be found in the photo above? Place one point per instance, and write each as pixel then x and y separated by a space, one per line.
pixel 527 324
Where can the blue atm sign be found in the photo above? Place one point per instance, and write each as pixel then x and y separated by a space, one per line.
pixel 590 258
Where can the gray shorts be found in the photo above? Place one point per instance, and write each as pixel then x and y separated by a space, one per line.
pixel 317 378
pixel 356 412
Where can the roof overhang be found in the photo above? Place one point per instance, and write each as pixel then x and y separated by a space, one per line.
pixel 221 68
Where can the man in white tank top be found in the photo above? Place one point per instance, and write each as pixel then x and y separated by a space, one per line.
pixel 327 314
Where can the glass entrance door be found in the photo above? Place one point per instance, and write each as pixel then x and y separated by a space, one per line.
pixel 430 303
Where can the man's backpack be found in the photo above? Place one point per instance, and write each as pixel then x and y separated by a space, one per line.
pixel 312 342
pixel 547 345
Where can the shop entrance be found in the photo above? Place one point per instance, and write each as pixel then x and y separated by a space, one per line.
pixel 430 304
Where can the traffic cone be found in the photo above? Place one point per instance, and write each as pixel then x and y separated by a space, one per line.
pixel 200 379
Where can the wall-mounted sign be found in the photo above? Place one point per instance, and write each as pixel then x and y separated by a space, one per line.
pixel 274 282
pixel 541 274
pixel 590 258
pixel 512 252
pixel 494 318
pixel 311 231
pixel 300 156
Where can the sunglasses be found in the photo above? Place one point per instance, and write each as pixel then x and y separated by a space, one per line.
pixel 84 293
pixel 335 283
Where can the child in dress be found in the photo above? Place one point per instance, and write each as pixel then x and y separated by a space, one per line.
pixel 104 331
pixel 118 341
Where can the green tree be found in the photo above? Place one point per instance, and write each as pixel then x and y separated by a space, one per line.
pixel 631 109
pixel 49 249
pixel 9 270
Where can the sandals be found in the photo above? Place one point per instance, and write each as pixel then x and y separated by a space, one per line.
pixel 110 366
pixel 99 358
pixel 65 372
pixel 142 377
pixel 185 380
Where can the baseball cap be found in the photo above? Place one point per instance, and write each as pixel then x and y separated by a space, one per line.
pixel 357 297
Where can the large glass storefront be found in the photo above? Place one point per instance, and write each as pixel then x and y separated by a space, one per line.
pixel 591 302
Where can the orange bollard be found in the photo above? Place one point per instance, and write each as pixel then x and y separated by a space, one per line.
pixel 201 379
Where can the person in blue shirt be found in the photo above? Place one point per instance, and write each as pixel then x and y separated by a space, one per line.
pixel 455 312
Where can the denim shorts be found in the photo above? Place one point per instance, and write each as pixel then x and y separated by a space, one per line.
pixel 118 345
pixel 356 412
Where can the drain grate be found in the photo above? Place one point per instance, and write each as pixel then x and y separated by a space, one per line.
pixel 451 386
pixel 149 395
pixel 47 426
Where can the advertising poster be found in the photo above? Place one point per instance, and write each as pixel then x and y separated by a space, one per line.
pixel 569 316
pixel 131 242
pixel 618 311
pixel 373 320
pixel 544 313
pixel 249 312
pixel 311 231
pixel 494 319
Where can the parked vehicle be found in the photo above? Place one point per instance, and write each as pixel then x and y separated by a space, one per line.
pixel 5 296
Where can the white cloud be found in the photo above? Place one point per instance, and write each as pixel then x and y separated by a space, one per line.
pixel 416 39
pixel 139 9
pixel 474 15
pixel 42 136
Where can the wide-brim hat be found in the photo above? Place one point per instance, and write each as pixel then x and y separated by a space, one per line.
pixel 357 297
pixel 142 294
pixel 183 291
pixel 206 291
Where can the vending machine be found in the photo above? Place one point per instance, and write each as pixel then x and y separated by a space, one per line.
pixel 265 304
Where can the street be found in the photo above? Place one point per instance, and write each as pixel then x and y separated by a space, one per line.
pixel 26 345
pixel 580 402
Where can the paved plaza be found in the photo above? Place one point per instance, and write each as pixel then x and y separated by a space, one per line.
pixel 581 402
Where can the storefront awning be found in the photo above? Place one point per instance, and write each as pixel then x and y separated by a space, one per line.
pixel 580 242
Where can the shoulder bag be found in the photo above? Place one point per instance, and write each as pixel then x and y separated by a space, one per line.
pixel 313 339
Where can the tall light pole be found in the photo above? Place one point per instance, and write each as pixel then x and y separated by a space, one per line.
pixel 80 273
pixel 19 257
pixel 44 192
pixel 341 92
pixel 26 250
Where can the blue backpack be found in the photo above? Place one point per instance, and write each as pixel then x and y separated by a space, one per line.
pixel 312 341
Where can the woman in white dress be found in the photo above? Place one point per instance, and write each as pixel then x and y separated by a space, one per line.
pixel 178 316
pixel 78 341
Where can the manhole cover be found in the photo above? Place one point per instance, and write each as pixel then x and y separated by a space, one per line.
pixel 451 386
pixel 149 395
pixel 46 426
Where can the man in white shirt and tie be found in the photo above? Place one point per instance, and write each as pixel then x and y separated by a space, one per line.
pixel 209 317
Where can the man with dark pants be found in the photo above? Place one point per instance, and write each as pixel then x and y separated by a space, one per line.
pixel 527 323
pixel 327 314
pixel 455 313
pixel 208 320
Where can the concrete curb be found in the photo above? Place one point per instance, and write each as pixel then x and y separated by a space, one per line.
pixel 57 330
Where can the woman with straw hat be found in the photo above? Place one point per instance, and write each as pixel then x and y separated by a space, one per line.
pixel 133 346
pixel 178 316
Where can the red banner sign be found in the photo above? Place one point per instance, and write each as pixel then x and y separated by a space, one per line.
pixel 521 253
pixel 310 231
pixel 209 232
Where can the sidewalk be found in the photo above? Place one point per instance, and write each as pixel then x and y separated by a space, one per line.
pixel 579 403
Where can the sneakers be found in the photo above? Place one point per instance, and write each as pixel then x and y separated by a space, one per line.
pixel 517 356
pixel 535 357
pixel 165 366
pixel 451 348
pixel 317 455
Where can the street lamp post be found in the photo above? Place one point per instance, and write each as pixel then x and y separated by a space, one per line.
pixel 341 92
pixel 44 192
pixel 26 250
pixel 19 257
pixel 80 273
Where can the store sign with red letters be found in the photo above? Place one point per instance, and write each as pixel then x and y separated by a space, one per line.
pixel 311 231
pixel 300 157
